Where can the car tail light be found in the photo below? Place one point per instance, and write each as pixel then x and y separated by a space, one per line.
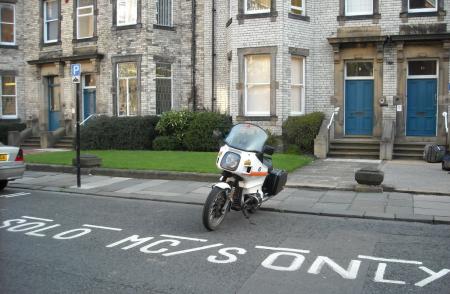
pixel 19 156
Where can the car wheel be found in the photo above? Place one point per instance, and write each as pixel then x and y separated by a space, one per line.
pixel 3 184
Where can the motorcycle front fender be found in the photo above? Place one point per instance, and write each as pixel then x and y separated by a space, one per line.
pixel 222 185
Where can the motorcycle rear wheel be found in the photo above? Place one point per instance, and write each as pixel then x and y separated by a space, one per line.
pixel 212 210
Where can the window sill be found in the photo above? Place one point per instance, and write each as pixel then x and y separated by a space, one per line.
pixel 358 17
pixel 165 28
pixel 257 15
pixel 92 39
pixel 423 14
pixel 299 17
pixel 229 22
pixel 127 27
pixel 272 118
pixel 4 46
pixel 51 44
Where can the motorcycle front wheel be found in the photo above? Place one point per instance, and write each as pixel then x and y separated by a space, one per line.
pixel 213 211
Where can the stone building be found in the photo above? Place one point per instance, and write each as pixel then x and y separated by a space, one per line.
pixel 381 65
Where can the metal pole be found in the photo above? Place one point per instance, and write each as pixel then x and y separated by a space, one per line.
pixel 78 136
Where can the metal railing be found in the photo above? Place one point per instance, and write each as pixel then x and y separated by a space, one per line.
pixel 335 112
pixel 91 116
pixel 445 115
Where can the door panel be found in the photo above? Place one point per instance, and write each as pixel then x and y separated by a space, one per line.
pixel 359 107
pixel 54 104
pixel 421 107
pixel 89 102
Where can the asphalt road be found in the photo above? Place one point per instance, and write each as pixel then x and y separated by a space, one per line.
pixel 73 243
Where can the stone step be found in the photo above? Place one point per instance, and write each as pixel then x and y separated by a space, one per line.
pixel 354 154
pixel 398 155
pixel 356 141
pixel 408 149
pixel 354 147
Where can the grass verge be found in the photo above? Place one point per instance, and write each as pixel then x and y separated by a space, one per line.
pixel 201 162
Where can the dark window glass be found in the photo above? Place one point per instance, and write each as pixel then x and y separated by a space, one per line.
pixel 422 4
pixel 163 87
pixel 422 68
pixel 359 69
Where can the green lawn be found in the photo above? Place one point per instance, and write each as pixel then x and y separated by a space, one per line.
pixel 202 162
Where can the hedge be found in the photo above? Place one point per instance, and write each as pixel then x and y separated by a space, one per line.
pixel 121 133
pixel 6 127
pixel 302 130
pixel 206 131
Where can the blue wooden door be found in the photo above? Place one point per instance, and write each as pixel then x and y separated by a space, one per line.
pixel 421 107
pixel 359 107
pixel 89 102
pixel 54 105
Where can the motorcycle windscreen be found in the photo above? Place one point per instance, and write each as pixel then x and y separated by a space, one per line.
pixel 247 137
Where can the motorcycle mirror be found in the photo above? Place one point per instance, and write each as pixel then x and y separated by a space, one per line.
pixel 269 150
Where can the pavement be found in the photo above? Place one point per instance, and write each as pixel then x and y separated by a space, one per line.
pixel 54 242
pixel 386 206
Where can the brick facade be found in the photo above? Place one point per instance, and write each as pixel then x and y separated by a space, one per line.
pixel 324 36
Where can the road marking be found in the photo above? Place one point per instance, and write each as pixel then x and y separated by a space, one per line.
pixel 184 238
pixel 102 183
pixel 15 195
pixel 283 249
pixel 102 227
pixel 38 218
pixel 389 259
pixel 192 249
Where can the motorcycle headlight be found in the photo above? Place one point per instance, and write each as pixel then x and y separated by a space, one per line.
pixel 230 161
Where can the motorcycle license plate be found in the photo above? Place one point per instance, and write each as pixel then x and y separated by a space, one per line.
pixel 3 157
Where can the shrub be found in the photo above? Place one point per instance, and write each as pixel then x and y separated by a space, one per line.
pixel 302 130
pixel 203 130
pixel 166 143
pixel 175 124
pixel 122 133
pixel 6 127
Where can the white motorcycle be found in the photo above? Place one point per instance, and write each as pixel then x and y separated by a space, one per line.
pixel 248 178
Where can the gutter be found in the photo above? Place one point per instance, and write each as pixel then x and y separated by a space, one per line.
pixel 213 56
pixel 194 54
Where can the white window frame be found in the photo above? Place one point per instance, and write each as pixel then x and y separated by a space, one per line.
pixel 167 78
pixel 246 84
pixel 128 88
pixel 13 23
pixel 117 15
pixel 435 76
pixel 1 97
pixel 81 15
pixel 372 77
pixel 348 13
pixel 302 86
pixel 423 9
pixel 255 11
pixel 302 8
pixel 171 15
pixel 46 21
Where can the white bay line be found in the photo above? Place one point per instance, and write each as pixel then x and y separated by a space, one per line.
pixel 389 259
pixel 102 227
pixel 184 238
pixel 192 249
pixel 283 249
pixel 37 218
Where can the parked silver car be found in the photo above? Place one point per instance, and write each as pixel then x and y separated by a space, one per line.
pixel 12 165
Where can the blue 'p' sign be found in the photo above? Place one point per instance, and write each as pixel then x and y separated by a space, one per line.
pixel 76 70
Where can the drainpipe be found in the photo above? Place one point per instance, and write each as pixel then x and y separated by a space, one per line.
pixel 194 54
pixel 213 56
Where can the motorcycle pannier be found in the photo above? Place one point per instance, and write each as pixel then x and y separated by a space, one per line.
pixel 275 182
pixel 433 153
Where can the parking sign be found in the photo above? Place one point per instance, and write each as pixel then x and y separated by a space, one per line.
pixel 75 70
